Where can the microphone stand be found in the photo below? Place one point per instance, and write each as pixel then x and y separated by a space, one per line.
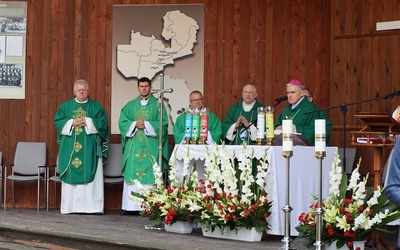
pixel 161 92
pixel 276 104
pixel 344 107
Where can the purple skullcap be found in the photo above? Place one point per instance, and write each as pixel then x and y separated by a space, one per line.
pixel 295 82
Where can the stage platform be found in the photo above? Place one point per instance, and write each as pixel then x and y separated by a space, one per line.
pixel 31 229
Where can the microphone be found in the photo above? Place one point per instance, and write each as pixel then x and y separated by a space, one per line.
pixel 246 128
pixel 390 96
pixel 281 99
pixel 255 122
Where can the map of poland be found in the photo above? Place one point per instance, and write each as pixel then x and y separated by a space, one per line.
pixel 146 56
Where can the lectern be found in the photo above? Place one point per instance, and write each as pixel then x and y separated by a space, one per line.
pixel 380 131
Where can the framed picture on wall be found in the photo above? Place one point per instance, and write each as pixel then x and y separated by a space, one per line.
pixel 13 22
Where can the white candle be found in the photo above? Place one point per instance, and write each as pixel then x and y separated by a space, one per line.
pixel 320 135
pixel 287 135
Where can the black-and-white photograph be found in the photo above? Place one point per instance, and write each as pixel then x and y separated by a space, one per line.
pixel 10 75
pixel 15 25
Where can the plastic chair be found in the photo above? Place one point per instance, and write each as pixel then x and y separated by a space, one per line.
pixel 112 168
pixel 30 157
pixel 54 178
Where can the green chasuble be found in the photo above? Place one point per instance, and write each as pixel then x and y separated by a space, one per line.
pixel 140 152
pixel 242 134
pixel 214 126
pixel 79 152
pixel 305 124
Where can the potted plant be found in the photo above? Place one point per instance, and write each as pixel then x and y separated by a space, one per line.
pixel 350 212
pixel 232 197
pixel 172 204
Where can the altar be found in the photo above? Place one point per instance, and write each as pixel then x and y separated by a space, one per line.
pixel 304 168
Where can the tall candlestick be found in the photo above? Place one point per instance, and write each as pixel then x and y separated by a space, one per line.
pixel 287 135
pixel 320 136
pixel 320 148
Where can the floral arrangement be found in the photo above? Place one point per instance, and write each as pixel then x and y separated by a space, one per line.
pixel 172 203
pixel 231 196
pixel 350 212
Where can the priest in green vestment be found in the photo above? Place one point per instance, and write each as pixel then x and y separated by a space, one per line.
pixel 298 104
pixel 239 125
pixel 82 132
pixel 139 124
pixel 196 101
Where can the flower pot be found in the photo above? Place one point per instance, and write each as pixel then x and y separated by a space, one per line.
pixel 360 244
pixel 181 227
pixel 242 234
pixel 332 246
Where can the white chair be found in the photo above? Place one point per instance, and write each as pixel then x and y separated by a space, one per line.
pixel 54 178
pixel 29 159
pixel 113 167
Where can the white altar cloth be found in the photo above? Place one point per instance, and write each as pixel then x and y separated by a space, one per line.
pixel 304 167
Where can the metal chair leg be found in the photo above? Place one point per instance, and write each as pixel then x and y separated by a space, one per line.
pixel 12 189
pixel 5 189
pixel 38 191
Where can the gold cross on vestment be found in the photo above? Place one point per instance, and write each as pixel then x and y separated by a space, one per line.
pixel 78 130
pixel 77 146
pixel 140 173
pixel 143 113
pixel 141 154
pixel 76 162
pixel 80 112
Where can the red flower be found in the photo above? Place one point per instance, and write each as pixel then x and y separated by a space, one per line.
pixel 302 217
pixel 349 234
pixel 348 216
pixel 360 208
pixel 331 231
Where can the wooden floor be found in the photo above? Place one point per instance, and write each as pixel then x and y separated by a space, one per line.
pixel 29 229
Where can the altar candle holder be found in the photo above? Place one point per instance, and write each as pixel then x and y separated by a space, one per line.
pixel 320 153
pixel 287 152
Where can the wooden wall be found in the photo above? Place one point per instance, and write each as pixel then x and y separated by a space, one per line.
pixel 365 65
pixel 331 46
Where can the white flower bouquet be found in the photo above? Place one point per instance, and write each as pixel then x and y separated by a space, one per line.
pixel 350 212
